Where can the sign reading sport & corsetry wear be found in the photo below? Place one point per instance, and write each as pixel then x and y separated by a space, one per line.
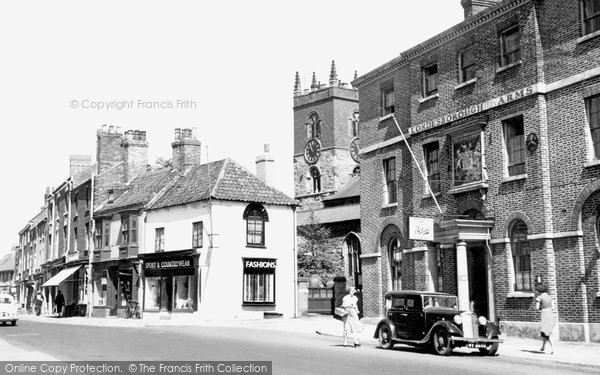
pixel 179 265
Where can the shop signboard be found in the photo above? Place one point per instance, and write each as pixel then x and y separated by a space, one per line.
pixel 175 265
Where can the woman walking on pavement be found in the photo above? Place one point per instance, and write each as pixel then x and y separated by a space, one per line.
pixel 544 303
pixel 351 320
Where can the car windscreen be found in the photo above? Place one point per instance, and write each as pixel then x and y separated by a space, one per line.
pixel 5 300
pixel 449 302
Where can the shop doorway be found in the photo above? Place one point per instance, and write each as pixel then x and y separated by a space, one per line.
pixel 478 288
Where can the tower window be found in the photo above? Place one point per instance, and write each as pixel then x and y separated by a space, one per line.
pixel 313 126
pixel 315 175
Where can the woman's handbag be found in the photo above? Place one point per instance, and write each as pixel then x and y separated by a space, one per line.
pixel 340 311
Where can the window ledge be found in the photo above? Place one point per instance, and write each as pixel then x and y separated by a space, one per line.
pixel 465 83
pixel 473 186
pixel 515 178
pixel 390 205
pixel 509 66
pixel 592 163
pixel 520 295
pixel 598 295
pixel 256 246
pixel 428 98
pixel 588 37
pixel 383 118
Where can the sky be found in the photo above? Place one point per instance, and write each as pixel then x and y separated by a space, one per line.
pixel 226 68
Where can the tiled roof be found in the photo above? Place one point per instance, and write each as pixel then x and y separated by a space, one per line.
pixel 7 263
pixel 349 190
pixel 331 214
pixel 141 190
pixel 228 181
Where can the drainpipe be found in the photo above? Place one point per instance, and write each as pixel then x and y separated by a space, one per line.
pixel 295 251
pixel 490 278
pixel 68 239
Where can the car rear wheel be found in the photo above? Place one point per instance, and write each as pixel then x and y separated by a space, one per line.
pixel 441 342
pixel 491 349
pixel 385 337
pixel 14 322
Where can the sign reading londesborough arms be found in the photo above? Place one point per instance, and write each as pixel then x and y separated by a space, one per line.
pixel 504 99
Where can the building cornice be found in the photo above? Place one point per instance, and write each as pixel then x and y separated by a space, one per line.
pixel 445 37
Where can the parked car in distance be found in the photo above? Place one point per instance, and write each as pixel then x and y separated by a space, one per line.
pixel 9 311
pixel 432 320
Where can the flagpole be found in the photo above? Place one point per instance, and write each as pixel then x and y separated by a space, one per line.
pixel 418 166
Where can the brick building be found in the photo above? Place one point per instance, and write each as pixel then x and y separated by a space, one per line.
pixel 326 165
pixel 501 114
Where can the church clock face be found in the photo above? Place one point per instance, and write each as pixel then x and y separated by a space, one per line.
pixel 354 149
pixel 312 151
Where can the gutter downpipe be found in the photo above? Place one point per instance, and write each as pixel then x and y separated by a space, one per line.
pixel 295 251
pixel 490 278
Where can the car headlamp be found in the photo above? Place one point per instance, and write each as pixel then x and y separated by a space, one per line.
pixel 457 319
pixel 482 320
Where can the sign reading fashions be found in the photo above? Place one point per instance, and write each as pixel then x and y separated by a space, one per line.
pixel 420 228
pixel 504 99
pixel 260 263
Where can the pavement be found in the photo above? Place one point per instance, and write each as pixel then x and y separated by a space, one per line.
pixel 570 353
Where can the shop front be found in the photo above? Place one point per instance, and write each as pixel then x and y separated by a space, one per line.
pixel 115 284
pixel 170 283
pixel 71 282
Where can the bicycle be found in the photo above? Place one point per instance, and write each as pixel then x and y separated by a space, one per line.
pixel 133 310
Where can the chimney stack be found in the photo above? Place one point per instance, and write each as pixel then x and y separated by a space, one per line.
pixel 79 163
pixel 186 150
pixel 135 154
pixel 473 7
pixel 264 166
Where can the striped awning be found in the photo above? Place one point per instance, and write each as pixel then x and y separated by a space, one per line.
pixel 60 277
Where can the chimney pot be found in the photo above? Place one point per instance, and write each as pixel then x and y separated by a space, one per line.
pixel 111 129
pixel 104 126
pixel 136 135
pixel 143 135
pixel 118 130
pixel 177 134
pixel 187 133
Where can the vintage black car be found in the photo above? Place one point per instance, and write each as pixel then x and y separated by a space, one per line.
pixel 432 320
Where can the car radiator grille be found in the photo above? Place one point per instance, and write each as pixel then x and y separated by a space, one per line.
pixel 470 325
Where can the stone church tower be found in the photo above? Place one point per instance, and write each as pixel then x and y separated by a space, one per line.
pixel 325 138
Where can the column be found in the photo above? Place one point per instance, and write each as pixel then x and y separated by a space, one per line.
pixel 462 275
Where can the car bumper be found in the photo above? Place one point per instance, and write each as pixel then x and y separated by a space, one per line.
pixel 8 318
pixel 474 342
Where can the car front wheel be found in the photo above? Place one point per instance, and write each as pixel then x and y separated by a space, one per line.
pixel 491 349
pixel 385 337
pixel 14 322
pixel 441 342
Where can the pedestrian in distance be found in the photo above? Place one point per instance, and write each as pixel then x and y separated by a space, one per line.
pixel 39 300
pixel 60 302
pixel 351 320
pixel 544 303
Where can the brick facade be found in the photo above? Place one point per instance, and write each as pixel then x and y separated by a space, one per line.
pixel 556 196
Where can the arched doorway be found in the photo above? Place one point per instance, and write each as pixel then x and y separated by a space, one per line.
pixel 353 266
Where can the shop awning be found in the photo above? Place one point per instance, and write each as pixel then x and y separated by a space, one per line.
pixel 60 277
